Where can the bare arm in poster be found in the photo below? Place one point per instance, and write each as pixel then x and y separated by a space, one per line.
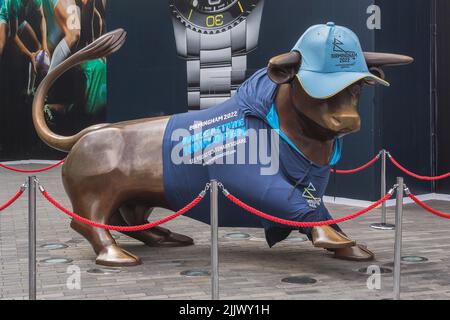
pixel 32 49
pixel 22 47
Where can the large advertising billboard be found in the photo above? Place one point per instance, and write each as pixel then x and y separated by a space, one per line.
pixel 186 55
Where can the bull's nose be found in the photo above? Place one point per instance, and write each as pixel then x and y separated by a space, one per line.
pixel 346 123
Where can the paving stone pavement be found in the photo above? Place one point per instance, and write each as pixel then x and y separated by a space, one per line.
pixel 248 268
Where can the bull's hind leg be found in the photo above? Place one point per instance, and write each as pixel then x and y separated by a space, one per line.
pixel 155 237
pixel 106 248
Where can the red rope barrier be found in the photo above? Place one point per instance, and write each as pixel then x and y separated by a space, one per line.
pixel 13 199
pixel 121 228
pixel 304 224
pixel 32 170
pixel 367 165
pixel 428 208
pixel 444 176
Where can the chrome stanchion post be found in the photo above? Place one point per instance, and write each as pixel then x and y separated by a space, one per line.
pixel 383 225
pixel 32 238
pixel 383 185
pixel 214 240
pixel 398 238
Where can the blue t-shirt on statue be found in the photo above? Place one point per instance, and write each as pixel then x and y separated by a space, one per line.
pixel 240 144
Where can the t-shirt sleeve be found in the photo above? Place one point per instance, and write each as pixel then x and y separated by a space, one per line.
pixel 283 201
pixel 256 95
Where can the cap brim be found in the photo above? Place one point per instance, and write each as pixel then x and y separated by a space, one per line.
pixel 326 85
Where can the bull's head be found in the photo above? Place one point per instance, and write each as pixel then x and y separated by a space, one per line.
pixel 336 116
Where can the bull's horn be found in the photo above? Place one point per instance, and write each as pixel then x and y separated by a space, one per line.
pixel 378 59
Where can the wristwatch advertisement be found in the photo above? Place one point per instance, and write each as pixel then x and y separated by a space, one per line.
pixel 215 36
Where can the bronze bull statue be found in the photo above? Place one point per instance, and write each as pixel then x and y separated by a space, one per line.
pixel 114 172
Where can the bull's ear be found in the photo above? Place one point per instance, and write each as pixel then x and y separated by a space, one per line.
pixel 283 68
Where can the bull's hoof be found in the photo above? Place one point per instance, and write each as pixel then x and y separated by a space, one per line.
pixel 113 256
pixel 355 253
pixel 328 238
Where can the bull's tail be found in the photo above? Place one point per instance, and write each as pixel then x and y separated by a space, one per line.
pixel 102 47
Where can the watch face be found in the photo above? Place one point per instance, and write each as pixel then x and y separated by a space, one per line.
pixel 211 16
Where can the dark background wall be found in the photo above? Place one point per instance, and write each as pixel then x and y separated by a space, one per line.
pixel 404 117
pixel 145 77
pixel 443 93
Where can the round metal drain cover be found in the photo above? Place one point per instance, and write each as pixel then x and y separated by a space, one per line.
pixel 54 246
pixel 382 270
pixel 174 263
pixel 57 260
pixel 296 239
pixel 195 273
pixel 299 280
pixel 257 239
pixel 237 236
pixel 104 271
pixel 414 259
pixel 75 241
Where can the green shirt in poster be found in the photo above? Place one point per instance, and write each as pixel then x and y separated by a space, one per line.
pixel 3 12
pixel 19 10
pixel 95 95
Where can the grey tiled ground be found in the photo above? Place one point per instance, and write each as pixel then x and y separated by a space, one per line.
pixel 248 268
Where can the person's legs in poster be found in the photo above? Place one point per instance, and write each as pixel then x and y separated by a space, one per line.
pixel 87 21
pixel 100 18
pixel 92 20
pixel 67 16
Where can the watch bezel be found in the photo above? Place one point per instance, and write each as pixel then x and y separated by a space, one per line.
pixel 211 30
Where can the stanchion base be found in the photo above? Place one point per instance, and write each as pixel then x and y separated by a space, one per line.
pixel 383 226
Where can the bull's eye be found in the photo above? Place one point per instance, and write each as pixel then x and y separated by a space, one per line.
pixel 355 89
pixel 370 82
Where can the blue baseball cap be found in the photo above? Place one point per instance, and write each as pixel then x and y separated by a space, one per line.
pixel 332 60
